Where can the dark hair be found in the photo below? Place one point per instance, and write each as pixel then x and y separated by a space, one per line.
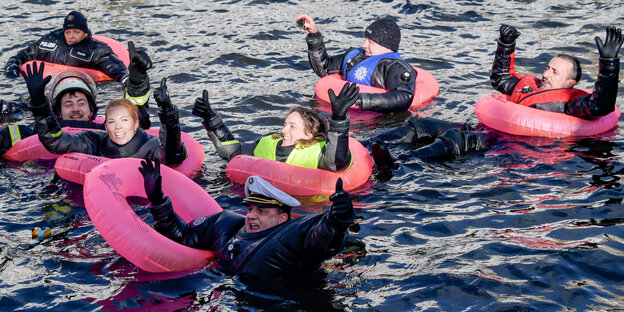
pixel 58 103
pixel 313 123
pixel 576 66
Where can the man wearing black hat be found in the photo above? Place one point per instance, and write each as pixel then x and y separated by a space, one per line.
pixel 265 244
pixel 73 94
pixel 376 64
pixel 72 46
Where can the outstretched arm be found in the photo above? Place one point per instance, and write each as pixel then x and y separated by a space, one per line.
pixel 503 77
pixel 175 152
pixel 223 140
pixel 327 237
pixel 138 83
pixel 106 61
pixel 602 100
pixel 166 221
pixel 320 61
pixel 336 155
pixel 13 64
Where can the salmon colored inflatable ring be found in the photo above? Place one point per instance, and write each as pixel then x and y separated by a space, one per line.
pixel 497 112
pixel 98 76
pixel 301 181
pixel 106 188
pixel 31 148
pixel 427 87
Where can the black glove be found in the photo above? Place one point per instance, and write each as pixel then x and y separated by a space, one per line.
pixel 152 181
pixel 342 207
pixel 202 107
pixel 140 62
pixel 11 70
pixel 36 88
pixel 508 34
pixel 612 43
pixel 161 95
pixel 349 94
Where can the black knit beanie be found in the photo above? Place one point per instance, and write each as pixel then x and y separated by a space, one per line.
pixel 385 32
pixel 75 20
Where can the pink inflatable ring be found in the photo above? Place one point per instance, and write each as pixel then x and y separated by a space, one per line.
pixel 497 112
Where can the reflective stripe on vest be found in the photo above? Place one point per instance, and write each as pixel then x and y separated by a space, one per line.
pixel 139 100
pixel 15 134
pixel 527 93
pixel 304 157
pixel 362 72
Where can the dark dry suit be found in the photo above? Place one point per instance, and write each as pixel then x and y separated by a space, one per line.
pixel 334 154
pixel 290 250
pixel 138 94
pixel 168 148
pixel 599 103
pixel 447 139
pixel 433 139
pixel 392 74
pixel 88 53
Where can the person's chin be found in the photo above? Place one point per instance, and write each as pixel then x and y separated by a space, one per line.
pixel 121 141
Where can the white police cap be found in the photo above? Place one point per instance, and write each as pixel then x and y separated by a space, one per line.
pixel 260 192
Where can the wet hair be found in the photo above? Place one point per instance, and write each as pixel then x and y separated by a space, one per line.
pixel 132 109
pixel 576 66
pixel 313 123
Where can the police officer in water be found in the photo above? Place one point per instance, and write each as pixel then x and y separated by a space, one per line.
pixel 266 243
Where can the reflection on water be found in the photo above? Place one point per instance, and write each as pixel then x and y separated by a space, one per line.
pixel 533 224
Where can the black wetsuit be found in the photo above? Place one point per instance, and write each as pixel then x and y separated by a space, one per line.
pixel 11 134
pixel 167 147
pixel 88 53
pixel 394 75
pixel 292 249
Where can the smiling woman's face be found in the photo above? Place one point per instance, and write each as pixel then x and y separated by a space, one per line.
pixel 120 125
pixel 294 130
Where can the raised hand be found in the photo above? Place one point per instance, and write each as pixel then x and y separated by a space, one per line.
pixel 152 181
pixel 202 107
pixel 140 62
pixel 613 42
pixel 340 104
pixel 305 22
pixel 508 34
pixel 342 207
pixel 36 83
pixel 161 95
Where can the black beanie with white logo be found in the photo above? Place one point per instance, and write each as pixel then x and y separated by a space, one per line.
pixel 385 32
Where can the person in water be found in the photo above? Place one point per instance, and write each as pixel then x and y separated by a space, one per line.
pixel 376 64
pixel 73 94
pixel 265 244
pixel 122 138
pixel 437 139
pixel 303 140
pixel 72 45
pixel 555 90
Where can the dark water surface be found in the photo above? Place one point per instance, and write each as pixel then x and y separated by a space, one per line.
pixel 532 225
